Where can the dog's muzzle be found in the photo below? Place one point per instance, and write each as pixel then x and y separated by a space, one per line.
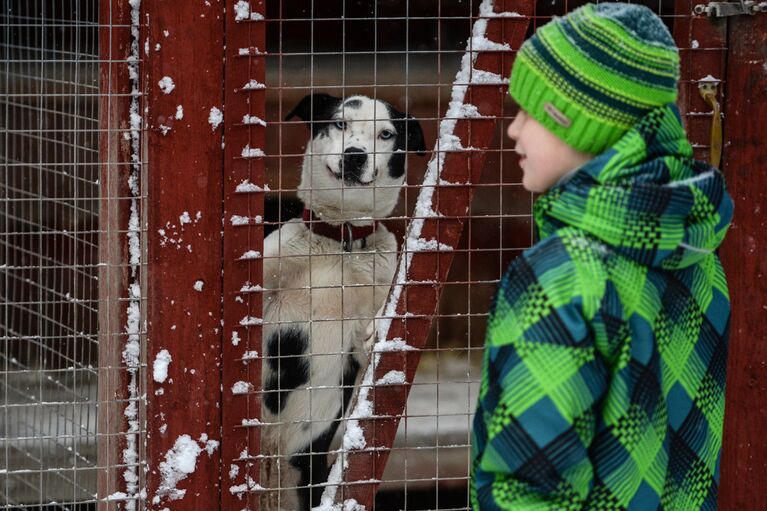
pixel 353 164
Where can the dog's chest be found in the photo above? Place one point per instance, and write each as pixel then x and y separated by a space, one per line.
pixel 309 278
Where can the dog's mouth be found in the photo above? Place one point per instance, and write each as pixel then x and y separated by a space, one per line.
pixel 351 181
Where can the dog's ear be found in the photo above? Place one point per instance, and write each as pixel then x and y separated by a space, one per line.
pixel 315 107
pixel 415 141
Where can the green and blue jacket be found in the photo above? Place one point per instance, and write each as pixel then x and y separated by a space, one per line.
pixel 604 368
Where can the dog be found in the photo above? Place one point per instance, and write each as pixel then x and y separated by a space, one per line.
pixel 326 277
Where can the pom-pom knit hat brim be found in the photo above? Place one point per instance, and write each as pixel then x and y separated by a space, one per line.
pixel 591 75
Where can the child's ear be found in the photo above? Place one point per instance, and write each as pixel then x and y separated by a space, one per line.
pixel 315 107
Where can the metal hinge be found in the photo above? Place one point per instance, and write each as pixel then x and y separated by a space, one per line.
pixel 721 9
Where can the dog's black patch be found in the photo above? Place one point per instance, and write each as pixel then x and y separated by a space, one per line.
pixel 409 138
pixel 288 368
pixel 316 110
pixel 353 103
pixel 312 460
pixel 349 377
pixel 312 463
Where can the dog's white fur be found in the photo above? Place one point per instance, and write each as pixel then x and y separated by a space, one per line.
pixel 329 297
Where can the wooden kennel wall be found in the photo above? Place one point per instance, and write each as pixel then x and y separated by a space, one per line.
pixel 196 277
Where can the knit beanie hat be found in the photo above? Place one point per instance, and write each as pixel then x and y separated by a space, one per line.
pixel 591 75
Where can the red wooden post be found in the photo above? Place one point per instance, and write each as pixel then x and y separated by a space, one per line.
pixel 744 463
pixel 702 43
pixel 184 70
pixel 429 269
pixel 114 271
pixel 243 192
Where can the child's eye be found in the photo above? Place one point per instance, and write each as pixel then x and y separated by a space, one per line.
pixel 386 134
pixel 341 125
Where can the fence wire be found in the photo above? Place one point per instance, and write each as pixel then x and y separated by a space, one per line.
pixel 50 194
pixel 404 52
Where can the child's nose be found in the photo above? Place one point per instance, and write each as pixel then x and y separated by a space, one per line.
pixel 514 128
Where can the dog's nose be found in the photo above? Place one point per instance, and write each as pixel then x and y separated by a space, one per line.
pixel 354 159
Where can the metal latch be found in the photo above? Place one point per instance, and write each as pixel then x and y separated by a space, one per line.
pixel 721 9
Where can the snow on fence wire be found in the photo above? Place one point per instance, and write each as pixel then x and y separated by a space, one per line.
pixel 145 162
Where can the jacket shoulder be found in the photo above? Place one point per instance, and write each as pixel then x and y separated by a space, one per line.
pixel 571 267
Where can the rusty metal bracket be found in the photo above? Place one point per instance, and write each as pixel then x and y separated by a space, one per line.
pixel 708 90
pixel 722 9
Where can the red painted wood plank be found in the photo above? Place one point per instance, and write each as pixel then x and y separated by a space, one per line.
pixel 243 231
pixel 184 264
pixel 744 462
pixel 702 43
pixel 114 270
pixel 419 301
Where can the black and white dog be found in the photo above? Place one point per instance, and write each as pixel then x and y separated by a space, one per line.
pixel 326 277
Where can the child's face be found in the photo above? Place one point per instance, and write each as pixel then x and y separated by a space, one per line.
pixel 544 157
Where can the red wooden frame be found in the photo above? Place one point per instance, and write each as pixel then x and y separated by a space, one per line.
pixel 744 470
pixel 242 277
pixel 114 271
pixel 183 177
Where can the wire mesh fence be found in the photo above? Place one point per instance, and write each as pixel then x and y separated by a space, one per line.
pixel 360 103
pixel 52 192
pixel 49 217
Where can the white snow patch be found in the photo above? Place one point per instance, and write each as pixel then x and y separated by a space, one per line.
pixel 166 84
pixel 479 76
pixel 251 422
pixel 249 355
pixel 180 461
pixel 251 288
pixel 118 495
pixel 215 117
pixel 253 84
pixel 249 51
pixel 242 387
pixel 179 112
pixel 132 346
pixel 505 14
pixel 251 321
pixel 198 285
pixel 250 485
pixel 242 10
pixel 250 254
pixel 253 119
pixel 392 378
pixel 184 218
pixel 245 220
pixel 233 471
pixel 694 44
pixel 160 366
pixel 248 187
pixel 252 152
pixel 235 339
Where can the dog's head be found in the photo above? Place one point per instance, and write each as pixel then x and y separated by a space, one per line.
pixel 355 161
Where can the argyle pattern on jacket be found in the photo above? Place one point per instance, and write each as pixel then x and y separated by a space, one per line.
pixel 604 367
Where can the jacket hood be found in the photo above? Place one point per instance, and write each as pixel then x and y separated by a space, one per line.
pixel 646 198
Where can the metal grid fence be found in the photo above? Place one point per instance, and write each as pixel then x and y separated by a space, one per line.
pixel 73 271
pixel 49 247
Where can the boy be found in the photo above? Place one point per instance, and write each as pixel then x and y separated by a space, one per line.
pixel 604 370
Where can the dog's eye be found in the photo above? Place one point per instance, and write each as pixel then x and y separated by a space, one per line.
pixel 386 134
pixel 341 125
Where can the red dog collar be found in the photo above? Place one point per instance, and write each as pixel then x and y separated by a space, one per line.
pixel 345 233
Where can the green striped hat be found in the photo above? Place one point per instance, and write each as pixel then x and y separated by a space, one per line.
pixel 591 75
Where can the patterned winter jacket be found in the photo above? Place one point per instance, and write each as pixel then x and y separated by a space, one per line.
pixel 604 367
